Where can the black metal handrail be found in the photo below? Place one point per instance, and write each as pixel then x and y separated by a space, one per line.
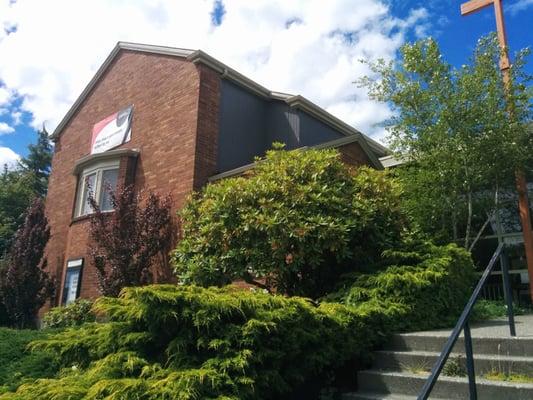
pixel 462 324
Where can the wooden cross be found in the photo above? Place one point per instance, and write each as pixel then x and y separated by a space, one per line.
pixel 476 5
pixel 521 183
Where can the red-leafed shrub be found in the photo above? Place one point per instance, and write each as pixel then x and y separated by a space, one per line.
pixel 129 246
pixel 25 285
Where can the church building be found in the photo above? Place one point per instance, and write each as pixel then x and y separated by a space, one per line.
pixel 169 120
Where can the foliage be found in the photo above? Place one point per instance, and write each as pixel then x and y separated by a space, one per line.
pixel 130 242
pixel 294 223
pixel 455 366
pixel 20 365
pixel 25 284
pixel 453 128
pixel 73 314
pixel 15 198
pixel 422 286
pixel 491 309
pixel 172 342
pixel 18 188
pixel 37 164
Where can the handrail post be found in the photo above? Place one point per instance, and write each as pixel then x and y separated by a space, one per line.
pixel 504 260
pixel 470 363
pixel 462 324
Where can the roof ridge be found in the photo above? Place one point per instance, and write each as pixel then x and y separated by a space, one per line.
pixel 199 56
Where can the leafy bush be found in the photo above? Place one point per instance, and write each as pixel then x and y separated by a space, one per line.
pixel 421 286
pixel 73 314
pixel 491 309
pixel 25 284
pixel 18 365
pixel 131 245
pixel 171 342
pixel 295 223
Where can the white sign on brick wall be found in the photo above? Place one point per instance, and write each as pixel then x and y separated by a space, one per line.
pixel 112 131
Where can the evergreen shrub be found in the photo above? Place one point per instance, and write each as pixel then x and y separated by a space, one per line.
pixel 18 364
pixel 74 314
pixel 419 286
pixel 294 223
pixel 172 342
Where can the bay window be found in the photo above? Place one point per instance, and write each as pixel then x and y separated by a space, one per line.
pixel 97 182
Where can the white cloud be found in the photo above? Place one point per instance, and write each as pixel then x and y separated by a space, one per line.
pixel 5 128
pixel 518 6
pixel 16 116
pixel 5 96
pixel 57 46
pixel 9 157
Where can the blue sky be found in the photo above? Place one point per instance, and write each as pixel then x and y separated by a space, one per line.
pixel 287 46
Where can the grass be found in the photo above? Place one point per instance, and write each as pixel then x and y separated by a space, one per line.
pixel 500 376
pixel 17 364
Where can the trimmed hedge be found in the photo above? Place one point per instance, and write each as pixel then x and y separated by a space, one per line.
pixel 422 286
pixel 171 342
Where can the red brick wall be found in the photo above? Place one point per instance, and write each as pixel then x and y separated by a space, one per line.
pixel 207 136
pixel 175 124
pixel 353 154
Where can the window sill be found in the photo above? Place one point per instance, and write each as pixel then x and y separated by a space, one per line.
pixel 81 218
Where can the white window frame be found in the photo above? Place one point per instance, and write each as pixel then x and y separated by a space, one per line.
pixel 73 266
pixel 99 169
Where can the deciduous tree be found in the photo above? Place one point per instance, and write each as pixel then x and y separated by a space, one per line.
pixel 453 128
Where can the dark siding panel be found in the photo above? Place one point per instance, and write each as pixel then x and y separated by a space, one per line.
pixel 249 125
pixel 314 132
pixel 283 125
pixel 241 127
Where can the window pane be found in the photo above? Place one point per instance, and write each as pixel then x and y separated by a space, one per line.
pixel 109 184
pixel 71 285
pixel 88 190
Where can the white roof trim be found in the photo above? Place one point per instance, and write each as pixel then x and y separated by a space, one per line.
pixel 198 56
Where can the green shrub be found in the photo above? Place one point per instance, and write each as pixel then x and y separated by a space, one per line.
pixel 422 286
pixel 171 342
pixel 73 314
pixel 17 364
pixel 491 309
pixel 296 222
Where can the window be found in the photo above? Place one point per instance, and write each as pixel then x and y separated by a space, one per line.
pixel 97 181
pixel 71 288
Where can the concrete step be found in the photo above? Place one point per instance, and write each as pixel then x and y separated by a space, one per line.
pixel 375 396
pixel 419 361
pixel 393 383
pixel 379 396
pixel 509 346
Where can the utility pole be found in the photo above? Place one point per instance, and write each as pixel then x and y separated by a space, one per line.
pixel 521 182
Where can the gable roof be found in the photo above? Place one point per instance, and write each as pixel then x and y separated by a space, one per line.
pixel 200 57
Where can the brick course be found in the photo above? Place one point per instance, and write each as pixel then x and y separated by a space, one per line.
pixel 175 125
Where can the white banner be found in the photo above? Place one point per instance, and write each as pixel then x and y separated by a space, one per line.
pixel 112 131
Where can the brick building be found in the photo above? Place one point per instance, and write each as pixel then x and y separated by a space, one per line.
pixel 169 120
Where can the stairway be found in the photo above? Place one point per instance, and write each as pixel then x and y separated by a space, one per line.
pixel 400 370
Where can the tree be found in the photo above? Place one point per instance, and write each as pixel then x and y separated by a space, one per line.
pixel 132 242
pixel 18 187
pixel 38 162
pixel 294 224
pixel 15 198
pixel 25 286
pixel 453 128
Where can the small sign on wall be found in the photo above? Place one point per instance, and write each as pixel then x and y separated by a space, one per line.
pixel 112 131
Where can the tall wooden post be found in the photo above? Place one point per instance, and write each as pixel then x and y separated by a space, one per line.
pixel 521 180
